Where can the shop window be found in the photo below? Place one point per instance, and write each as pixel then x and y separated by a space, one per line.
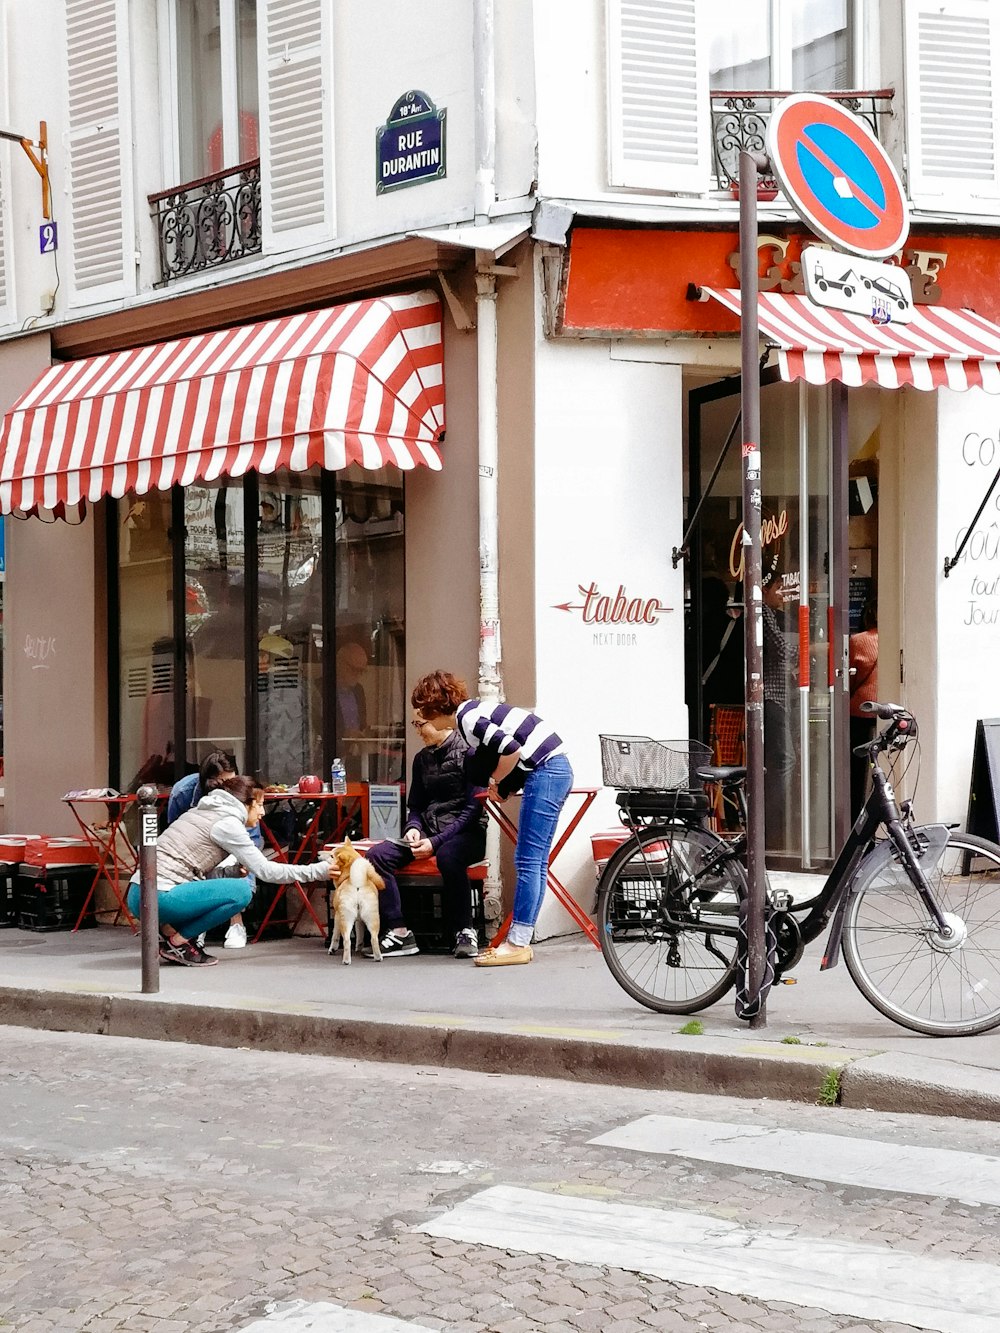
pixel 214 570
pixel 779 44
pixel 216 81
pixel 371 696
pixel 317 631
pixel 290 626
pixel 146 640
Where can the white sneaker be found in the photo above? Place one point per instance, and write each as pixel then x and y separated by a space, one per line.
pixel 200 941
pixel 236 936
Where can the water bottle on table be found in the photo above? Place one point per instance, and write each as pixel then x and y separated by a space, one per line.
pixel 338 778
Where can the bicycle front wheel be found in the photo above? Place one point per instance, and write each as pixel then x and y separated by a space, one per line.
pixel 903 964
pixel 668 917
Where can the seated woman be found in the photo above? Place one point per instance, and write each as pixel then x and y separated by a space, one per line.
pixel 191 902
pixel 443 819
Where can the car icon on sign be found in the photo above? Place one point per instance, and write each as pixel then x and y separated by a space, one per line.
pixel 889 289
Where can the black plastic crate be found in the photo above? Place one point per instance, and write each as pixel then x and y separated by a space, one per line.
pixel 51 897
pixel 8 893
pixel 426 912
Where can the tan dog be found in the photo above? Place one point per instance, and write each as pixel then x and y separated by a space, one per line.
pixel 355 900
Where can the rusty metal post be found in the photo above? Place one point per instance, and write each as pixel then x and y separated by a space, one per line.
pixel 149 907
pixel 753 612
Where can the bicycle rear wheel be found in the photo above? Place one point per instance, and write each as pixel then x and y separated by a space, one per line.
pixel 668 917
pixel 945 986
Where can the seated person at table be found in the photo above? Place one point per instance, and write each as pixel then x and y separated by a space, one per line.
pixel 443 819
pixel 188 792
pixel 191 901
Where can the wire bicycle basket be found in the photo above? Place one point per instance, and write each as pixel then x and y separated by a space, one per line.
pixel 639 763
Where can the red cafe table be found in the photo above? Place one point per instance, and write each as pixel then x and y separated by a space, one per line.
pixel 345 810
pixel 585 797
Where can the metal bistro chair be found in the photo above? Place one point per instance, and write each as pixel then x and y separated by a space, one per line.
pixel 727 739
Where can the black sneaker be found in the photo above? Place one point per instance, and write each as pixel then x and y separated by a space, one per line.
pixel 186 954
pixel 394 946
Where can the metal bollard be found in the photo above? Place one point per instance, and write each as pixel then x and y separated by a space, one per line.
pixel 149 907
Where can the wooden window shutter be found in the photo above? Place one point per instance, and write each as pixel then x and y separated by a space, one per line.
pixel 100 192
pixel 297 181
pixel 7 312
pixel 952 104
pixel 658 112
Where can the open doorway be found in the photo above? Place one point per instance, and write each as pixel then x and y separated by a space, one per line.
pixel 805 578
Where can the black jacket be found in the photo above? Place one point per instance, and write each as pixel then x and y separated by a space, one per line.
pixel 441 801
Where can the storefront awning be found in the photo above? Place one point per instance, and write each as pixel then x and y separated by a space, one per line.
pixel 940 348
pixel 358 383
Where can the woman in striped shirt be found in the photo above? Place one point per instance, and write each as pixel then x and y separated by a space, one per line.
pixel 513 749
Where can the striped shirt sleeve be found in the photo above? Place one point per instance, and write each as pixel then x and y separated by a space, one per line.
pixel 508 729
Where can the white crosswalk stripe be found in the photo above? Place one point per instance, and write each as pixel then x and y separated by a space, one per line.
pixel 873 1282
pixel 867 1163
pixel 773 1261
pixel 322 1317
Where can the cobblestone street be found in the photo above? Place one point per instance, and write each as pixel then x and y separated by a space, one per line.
pixel 167 1189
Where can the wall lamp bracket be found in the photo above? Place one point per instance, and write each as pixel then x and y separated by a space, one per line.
pixel 38 155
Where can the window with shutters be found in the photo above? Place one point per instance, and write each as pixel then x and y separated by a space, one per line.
pixel 6 264
pixel 665 55
pixel 96 51
pixel 952 104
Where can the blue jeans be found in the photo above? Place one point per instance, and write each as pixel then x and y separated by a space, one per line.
pixel 544 796
pixel 198 905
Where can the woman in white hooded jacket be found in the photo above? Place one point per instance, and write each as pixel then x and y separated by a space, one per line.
pixel 190 901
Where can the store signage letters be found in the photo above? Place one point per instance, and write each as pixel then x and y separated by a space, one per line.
pixel 618 609
pixel 410 146
pixel 981 453
pixel 772 528
pixel 781 267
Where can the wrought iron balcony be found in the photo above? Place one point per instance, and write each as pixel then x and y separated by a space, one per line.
pixel 207 222
pixel 739 124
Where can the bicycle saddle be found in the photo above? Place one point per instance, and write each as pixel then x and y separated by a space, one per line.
pixel 728 776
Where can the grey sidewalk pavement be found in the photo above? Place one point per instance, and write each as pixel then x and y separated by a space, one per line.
pixel 563 1016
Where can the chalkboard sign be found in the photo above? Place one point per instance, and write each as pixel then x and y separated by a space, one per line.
pixel 984 791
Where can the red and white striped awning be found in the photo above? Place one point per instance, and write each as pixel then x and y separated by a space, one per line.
pixel 940 348
pixel 358 383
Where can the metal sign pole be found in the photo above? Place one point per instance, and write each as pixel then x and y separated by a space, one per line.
pixel 752 590
pixel 149 907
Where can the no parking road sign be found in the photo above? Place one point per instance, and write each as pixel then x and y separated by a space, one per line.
pixel 837 176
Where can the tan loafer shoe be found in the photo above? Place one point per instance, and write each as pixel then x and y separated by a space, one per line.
pixel 505 956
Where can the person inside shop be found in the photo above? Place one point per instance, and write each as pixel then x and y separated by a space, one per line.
pixel 445 818
pixel 862 651
pixel 513 749
pixel 188 792
pixel 352 706
pixel 193 896
pixel 722 676
pixel 779 755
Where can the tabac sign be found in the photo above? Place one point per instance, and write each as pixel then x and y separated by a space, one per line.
pixel 410 146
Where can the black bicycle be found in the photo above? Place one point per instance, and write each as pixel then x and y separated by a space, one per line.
pixel 915 909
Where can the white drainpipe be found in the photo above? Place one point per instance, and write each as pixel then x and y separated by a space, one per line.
pixel 490 686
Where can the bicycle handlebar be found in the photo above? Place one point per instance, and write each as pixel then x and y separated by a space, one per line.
pixel 888 711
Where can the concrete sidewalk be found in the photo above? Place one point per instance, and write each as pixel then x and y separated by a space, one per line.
pixel 564 1016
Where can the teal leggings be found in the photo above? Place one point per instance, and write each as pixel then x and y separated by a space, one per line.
pixel 197 906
